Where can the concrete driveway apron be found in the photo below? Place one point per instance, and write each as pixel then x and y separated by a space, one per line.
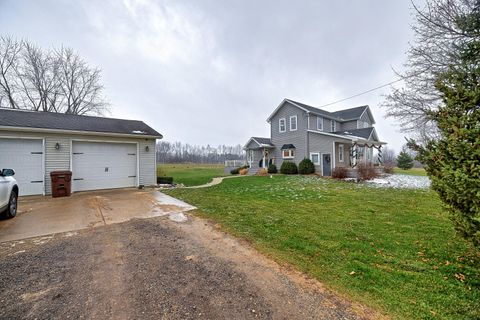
pixel 38 216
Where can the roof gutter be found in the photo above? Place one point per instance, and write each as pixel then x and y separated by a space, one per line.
pixel 91 133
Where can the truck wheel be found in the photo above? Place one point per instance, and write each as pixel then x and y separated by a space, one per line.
pixel 12 205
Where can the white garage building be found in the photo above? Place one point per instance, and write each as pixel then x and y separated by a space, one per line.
pixel 102 153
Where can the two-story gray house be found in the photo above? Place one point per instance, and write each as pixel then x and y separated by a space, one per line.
pixel 330 139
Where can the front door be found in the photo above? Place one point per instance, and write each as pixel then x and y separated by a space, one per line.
pixel 326 164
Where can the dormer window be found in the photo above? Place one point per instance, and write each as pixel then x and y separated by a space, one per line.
pixel 282 125
pixel 333 125
pixel 293 123
pixel 319 123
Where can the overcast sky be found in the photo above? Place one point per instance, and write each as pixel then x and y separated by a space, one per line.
pixel 212 71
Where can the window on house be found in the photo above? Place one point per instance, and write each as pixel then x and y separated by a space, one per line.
pixel 293 123
pixel 366 124
pixel 368 151
pixel 288 153
pixel 315 157
pixel 319 123
pixel 341 152
pixel 282 125
pixel 333 125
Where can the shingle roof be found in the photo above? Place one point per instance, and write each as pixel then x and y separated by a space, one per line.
pixel 313 109
pixel 61 121
pixel 352 113
pixel 346 114
pixel 362 133
pixel 266 141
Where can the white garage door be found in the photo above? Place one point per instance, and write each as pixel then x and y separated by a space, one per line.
pixel 25 156
pixel 98 165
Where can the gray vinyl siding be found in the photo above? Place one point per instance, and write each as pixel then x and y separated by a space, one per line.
pixel 147 171
pixel 252 145
pixel 56 160
pixel 338 126
pixel 346 154
pixel 257 156
pixel 320 143
pixel 326 123
pixel 366 118
pixel 349 125
pixel 298 138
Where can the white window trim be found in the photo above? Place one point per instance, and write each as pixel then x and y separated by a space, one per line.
pixel 291 156
pixel 333 125
pixel 296 123
pixel 341 153
pixel 320 121
pixel 280 125
pixel 318 155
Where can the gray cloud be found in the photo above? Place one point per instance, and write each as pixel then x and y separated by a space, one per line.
pixel 212 71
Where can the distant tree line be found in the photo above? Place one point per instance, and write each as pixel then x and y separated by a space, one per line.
pixel 177 152
pixel 49 80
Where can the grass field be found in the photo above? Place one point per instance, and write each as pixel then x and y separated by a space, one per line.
pixel 190 174
pixel 410 172
pixel 392 249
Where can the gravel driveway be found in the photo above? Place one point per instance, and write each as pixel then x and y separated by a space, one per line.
pixel 157 269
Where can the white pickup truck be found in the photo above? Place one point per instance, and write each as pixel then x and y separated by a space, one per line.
pixel 8 193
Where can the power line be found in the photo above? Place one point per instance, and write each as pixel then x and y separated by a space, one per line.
pixel 362 93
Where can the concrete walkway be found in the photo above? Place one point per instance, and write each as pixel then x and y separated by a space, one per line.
pixel 214 182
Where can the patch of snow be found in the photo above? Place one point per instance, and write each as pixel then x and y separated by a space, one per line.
pixel 401 181
pixel 177 217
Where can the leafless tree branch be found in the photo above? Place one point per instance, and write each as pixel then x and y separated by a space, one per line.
pixel 48 80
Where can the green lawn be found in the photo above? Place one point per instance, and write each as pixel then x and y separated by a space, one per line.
pixel 411 172
pixel 394 250
pixel 190 174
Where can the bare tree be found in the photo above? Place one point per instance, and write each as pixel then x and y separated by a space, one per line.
pixel 48 80
pixel 389 157
pixel 178 152
pixel 9 59
pixel 79 84
pixel 38 75
pixel 436 37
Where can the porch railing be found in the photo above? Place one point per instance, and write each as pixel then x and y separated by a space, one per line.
pixel 234 163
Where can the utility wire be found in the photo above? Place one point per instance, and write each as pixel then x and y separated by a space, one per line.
pixel 361 93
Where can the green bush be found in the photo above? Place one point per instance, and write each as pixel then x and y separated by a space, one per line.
pixel 272 168
pixel 288 167
pixel 306 166
pixel 164 180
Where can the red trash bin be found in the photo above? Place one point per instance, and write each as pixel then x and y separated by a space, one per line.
pixel 61 183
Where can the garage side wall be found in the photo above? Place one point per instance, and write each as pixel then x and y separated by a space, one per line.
pixel 59 159
pixel 148 172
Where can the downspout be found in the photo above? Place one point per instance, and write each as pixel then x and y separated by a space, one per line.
pixel 307 140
